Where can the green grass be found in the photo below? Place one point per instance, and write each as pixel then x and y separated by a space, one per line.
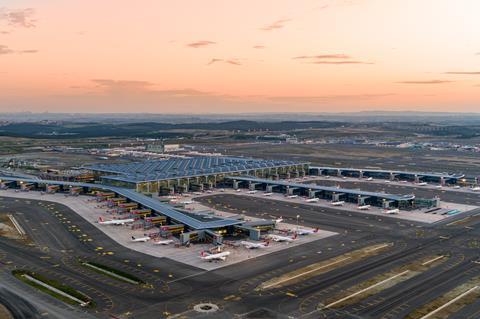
pixel 112 270
pixel 66 289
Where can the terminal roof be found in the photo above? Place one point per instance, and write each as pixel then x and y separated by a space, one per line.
pixel 143 200
pixel 183 167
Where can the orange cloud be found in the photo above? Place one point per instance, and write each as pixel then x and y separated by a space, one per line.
pixel 275 25
pixel 425 82
pixel 18 18
pixel 200 44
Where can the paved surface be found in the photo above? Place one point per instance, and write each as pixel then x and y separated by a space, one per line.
pixel 90 210
pixel 176 287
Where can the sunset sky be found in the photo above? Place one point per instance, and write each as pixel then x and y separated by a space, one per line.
pixel 229 56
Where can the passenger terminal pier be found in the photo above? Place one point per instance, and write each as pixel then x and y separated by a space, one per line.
pixel 325 192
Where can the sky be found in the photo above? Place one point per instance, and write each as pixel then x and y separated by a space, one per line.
pixel 230 56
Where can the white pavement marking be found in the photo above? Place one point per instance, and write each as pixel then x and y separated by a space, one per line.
pixel 55 290
pixel 304 273
pixel 366 289
pixel 428 315
pixel 432 260
pixel 17 225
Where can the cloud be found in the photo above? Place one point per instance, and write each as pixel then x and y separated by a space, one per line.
pixel 230 61
pixel 214 60
pixel 19 18
pixel 323 56
pixel 132 87
pixel 323 98
pixel 200 44
pixel 425 82
pixel 234 62
pixel 464 72
pixel 6 50
pixel 258 47
pixel 279 24
pixel 329 59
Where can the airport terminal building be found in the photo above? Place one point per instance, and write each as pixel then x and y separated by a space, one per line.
pixel 191 174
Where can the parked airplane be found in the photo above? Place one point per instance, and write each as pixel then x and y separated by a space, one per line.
pixel 140 239
pixel 456 187
pixel 292 196
pixel 392 211
pixel 364 207
pixel 101 221
pixel 422 184
pixel 250 245
pixel 370 179
pixel 267 194
pixel 279 238
pixel 212 257
pixel 438 187
pixel 302 231
pixel 163 242
pixel 475 189
pixel 278 220
pixel 187 202
pixel 338 203
pixel 251 192
pixel 312 200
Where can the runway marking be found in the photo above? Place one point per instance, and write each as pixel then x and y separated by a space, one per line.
pixel 449 303
pixel 277 283
pixel 189 276
pixel 432 260
pixel 366 289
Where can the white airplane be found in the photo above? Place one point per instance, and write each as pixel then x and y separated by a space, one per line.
pixel 312 200
pixel 278 220
pixel 279 238
pixel 211 257
pixel 238 190
pixel 302 231
pixel 475 189
pixel 251 192
pixel 267 194
pixel 456 187
pixel 438 187
pixel 292 196
pixel 422 184
pixel 102 221
pixel 364 207
pixel 250 245
pixel 338 203
pixel 388 181
pixel 140 239
pixel 392 211
pixel 187 202
pixel 370 179
pixel 163 242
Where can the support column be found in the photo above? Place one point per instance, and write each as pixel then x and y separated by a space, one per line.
pixel 417 179
pixel 360 174
pixel 235 184
pixel 269 188
pixel 442 181
pixel 385 204
pixel 392 176
pixel 311 193
pixel 339 172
